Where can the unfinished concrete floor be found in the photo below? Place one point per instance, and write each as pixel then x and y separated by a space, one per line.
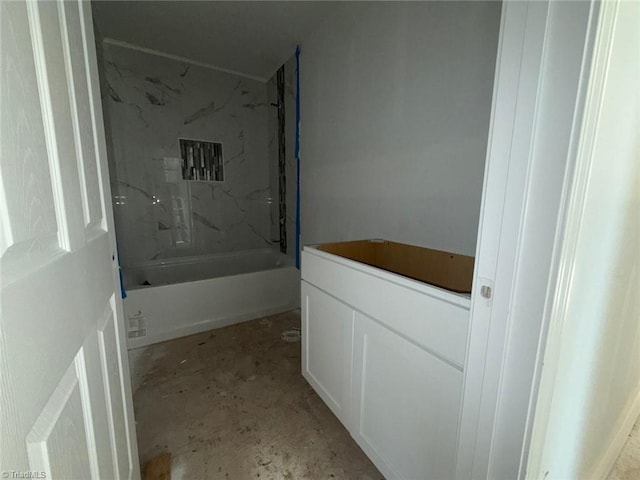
pixel 231 403
pixel 627 466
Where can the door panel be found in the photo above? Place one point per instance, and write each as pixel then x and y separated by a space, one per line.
pixel 75 62
pixel 327 326
pixel 405 404
pixel 97 416
pixel 66 406
pixel 29 233
pixel 58 442
pixel 46 38
pixel 111 373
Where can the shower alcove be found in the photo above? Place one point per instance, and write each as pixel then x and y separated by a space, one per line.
pixel 195 174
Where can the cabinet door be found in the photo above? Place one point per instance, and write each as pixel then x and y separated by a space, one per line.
pixel 327 333
pixel 405 404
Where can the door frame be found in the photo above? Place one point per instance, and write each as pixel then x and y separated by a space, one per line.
pixel 538 102
pixel 560 333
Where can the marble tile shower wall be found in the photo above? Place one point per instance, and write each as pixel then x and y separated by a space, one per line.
pixel 151 102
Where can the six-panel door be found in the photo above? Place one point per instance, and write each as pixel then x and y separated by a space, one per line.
pixel 65 403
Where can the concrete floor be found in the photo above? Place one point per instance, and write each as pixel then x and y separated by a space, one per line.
pixel 232 404
pixel 627 466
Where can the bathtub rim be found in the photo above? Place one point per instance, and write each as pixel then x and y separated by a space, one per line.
pixel 196 259
pixel 160 262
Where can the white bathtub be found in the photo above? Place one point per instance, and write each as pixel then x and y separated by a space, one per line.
pixel 173 298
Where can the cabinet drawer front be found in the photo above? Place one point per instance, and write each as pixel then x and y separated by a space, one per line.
pixel 405 404
pixel 434 319
pixel 327 332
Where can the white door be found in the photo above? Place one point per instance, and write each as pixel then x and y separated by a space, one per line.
pixel 65 399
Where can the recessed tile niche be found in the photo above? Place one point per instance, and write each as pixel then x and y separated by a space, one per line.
pixel 201 160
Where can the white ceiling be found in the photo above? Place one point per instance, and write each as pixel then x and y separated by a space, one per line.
pixel 253 38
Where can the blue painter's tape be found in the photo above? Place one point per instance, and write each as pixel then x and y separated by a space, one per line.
pixel 123 292
pixel 297 153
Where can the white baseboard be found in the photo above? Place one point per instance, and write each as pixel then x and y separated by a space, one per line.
pixel 625 423
pixel 205 325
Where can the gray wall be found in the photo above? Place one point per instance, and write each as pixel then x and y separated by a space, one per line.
pixel 396 101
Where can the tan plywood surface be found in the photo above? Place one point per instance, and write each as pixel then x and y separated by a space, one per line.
pixel 443 269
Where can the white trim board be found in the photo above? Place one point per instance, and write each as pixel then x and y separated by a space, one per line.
pixel 567 242
pixel 512 123
pixel 151 51
pixel 611 66
pixel 538 97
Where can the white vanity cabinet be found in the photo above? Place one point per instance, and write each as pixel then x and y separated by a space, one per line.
pixel 385 353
